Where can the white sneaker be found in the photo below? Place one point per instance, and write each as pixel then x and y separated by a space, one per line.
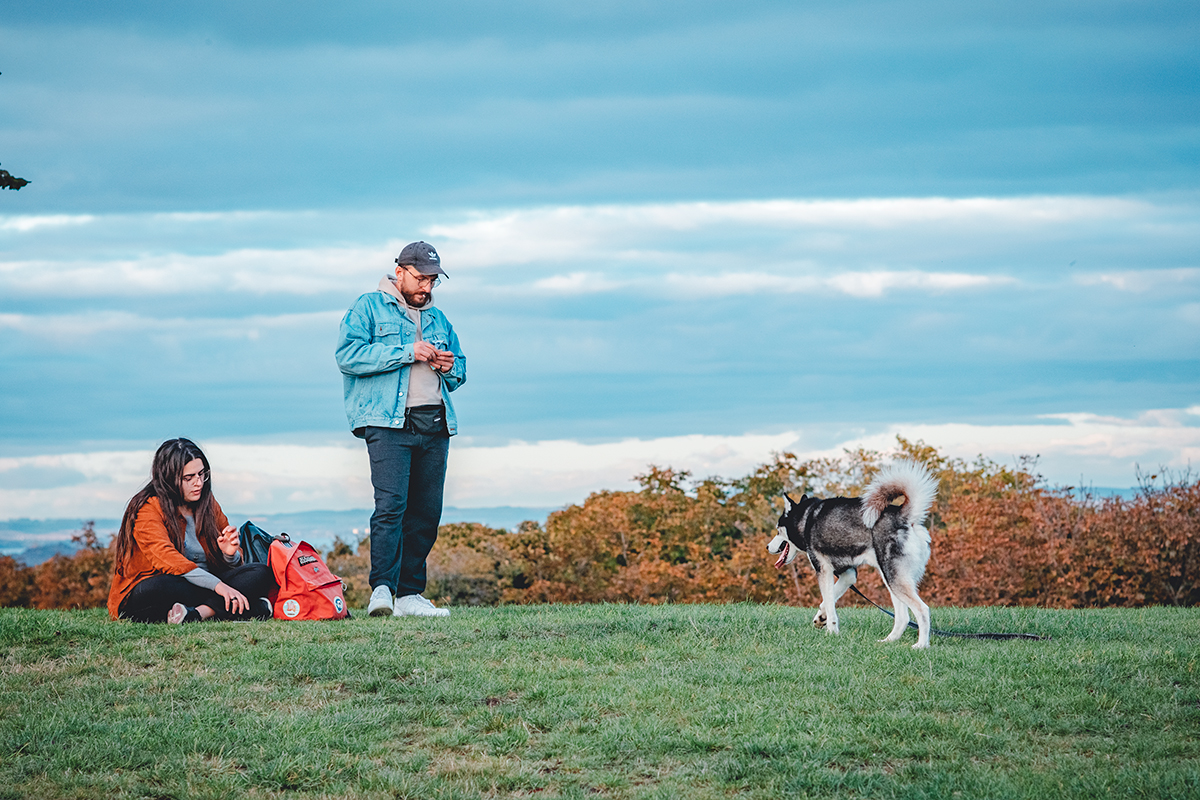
pixel 414 605
pixel 381 602
pixel 177 614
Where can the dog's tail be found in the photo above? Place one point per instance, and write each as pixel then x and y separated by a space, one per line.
pixel 906 479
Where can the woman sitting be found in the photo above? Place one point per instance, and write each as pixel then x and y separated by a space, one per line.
pixel 176 558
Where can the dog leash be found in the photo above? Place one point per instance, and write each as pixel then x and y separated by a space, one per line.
pixel 935 631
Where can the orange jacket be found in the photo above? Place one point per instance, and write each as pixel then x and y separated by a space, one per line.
pixel 152 552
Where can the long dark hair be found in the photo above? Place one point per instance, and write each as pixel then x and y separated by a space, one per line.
pixel 165 478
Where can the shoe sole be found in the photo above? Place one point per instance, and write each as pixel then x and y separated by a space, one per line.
pixel 177 613
pixel 411 614
pixel 381 610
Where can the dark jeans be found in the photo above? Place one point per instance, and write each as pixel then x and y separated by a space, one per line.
pixel 408 471
pixel 152 598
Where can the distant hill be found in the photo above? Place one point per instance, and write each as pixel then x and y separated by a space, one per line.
pixel 33 541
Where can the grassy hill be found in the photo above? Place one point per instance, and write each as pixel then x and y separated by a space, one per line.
pixel 601 701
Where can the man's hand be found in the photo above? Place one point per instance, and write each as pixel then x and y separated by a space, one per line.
pixel 235 601
pixel 228 541
pixel 441 360
pixel 424 351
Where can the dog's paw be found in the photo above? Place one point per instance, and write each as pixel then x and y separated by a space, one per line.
pixel 832 628
pixel 920 646
pixel 819 620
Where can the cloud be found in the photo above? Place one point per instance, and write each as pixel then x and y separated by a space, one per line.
pixel 860 248
pixel 32 476
pixel 629 311
pixel 311 271
pixel 1098 450
pixel 853 284
pixel 1146 280
pixel 276 476
pixel 25 223
pixel 676 285
pixel 1089 449
pixel 576 283
pixel 616 232
pixel 1072 449
pixel 71 328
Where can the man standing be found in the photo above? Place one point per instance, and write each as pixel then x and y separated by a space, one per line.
pixel 400 359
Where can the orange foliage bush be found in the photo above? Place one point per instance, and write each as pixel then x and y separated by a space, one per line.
pixel 1000 537
pixel 16 581
pixel 76 581
pixel 353 566
pixel 661 544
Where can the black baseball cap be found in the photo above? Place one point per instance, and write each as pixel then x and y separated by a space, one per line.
pixel 421 257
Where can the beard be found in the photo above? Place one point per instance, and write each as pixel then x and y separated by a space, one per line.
pixel 416 299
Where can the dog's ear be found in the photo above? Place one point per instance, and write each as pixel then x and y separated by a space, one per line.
pixel 789 503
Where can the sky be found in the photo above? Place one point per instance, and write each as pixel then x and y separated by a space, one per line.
pixel 682 234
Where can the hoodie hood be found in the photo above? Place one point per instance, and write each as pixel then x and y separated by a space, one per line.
pixel 387 285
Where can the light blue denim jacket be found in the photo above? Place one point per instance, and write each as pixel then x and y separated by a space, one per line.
pixel 375 352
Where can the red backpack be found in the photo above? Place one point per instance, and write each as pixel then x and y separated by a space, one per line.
pixel 307 589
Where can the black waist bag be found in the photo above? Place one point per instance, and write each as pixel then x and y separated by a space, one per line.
pixel 427 421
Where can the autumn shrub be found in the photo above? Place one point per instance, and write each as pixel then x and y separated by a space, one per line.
pixel 80 580
pixel 352 563
pixel 1001 536
pixel 1112 551
pixel 16 583
pixel 671 541
pixel 469 565
pixel 989 547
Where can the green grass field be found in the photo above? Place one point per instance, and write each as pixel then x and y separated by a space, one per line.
pixel 608 701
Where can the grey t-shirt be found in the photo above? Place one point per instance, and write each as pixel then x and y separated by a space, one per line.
pixel 194 551
pixel 424 384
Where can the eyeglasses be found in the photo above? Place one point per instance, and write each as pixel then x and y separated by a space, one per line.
pixel 424 280
pixel 201 476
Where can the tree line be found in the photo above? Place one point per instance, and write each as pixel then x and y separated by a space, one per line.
pixel 1001 536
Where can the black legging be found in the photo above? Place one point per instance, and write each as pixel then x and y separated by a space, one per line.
pixel 152 598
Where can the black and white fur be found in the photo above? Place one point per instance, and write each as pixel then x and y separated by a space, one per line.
pixel 840 534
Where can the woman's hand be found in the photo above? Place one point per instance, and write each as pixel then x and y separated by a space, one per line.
pixel 228 541
pixel 235 601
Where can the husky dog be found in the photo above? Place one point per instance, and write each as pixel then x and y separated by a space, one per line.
pixel 840 534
